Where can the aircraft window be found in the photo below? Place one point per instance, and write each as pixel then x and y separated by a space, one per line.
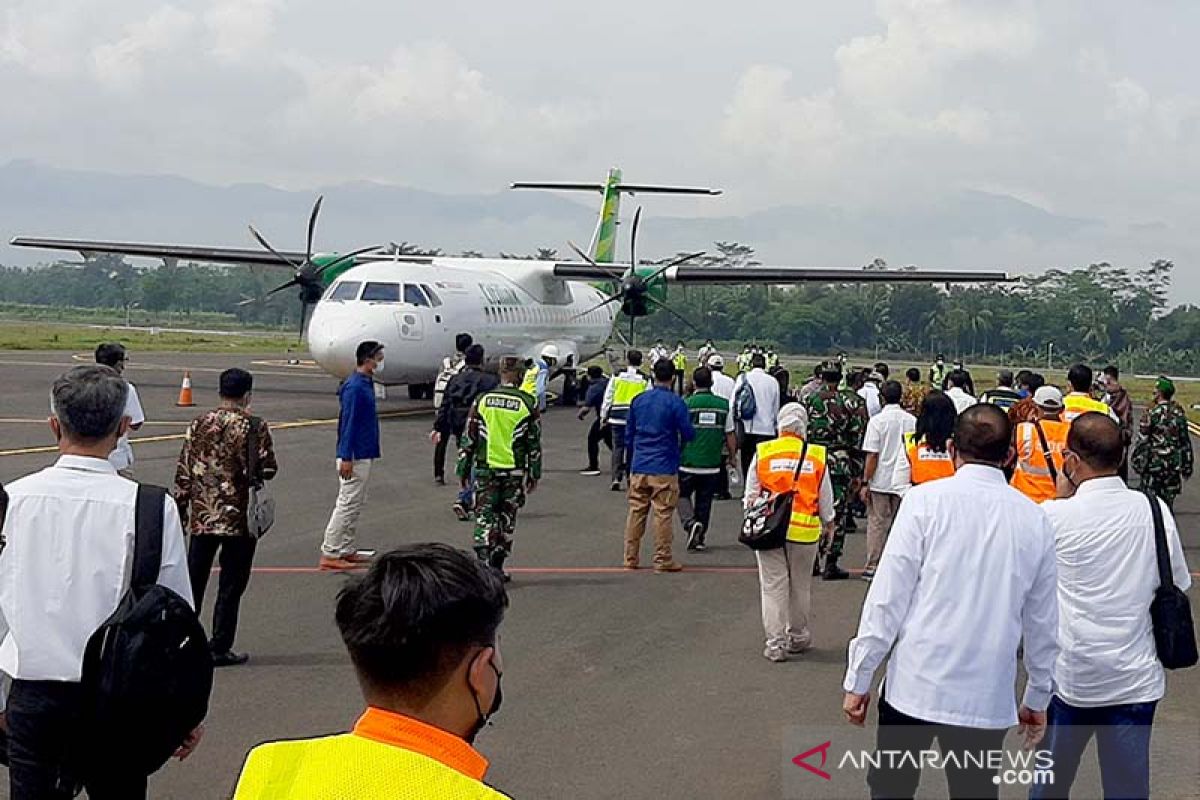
pixel 414 296
pixel 381 293
pixel 433 298
pixel 346 290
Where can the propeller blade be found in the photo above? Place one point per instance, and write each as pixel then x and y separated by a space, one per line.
pixel 637 217
pixel 312 227
pixel 616 276
pixel 675 263
pixel 249 301
pixel 271 249
pixel 616 298
pixel 672 312
pixel 281 287
pixel 303 320
pixel 342 259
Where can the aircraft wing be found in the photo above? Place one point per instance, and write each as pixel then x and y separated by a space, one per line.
pixel 166 252
pixel 697 274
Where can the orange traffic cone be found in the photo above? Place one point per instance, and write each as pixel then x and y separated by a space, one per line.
pixel 185 391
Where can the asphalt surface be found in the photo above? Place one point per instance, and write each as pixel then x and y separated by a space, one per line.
pixel 617 684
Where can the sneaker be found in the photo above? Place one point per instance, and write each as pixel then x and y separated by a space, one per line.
pixel 868 574
pixel 330 564
pixel 695 540
pixel 359 557
pixel 589 471
pixel 774 653
pixel 670 566
pixel 616 486
pixel 461 512
pixel 798 644
pixel 229 659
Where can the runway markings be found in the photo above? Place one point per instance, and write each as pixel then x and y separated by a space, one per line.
pixel 549 570
pixel 176 437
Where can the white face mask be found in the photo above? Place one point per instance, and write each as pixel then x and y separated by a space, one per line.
pixel 378 364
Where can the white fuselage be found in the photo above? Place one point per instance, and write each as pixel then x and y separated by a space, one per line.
pixel 511 307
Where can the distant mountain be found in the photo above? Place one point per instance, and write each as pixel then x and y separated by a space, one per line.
pixel 969 230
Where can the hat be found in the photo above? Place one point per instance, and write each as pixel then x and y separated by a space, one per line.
pixel 550 351
pixel 1165 384
pixel 876 376
pixel 1048 397
pixel 793 416
pixel 716 360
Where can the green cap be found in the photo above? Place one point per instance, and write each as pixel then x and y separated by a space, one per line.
pixel 1165 384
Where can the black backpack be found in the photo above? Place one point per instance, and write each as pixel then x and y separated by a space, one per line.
pixel 147 670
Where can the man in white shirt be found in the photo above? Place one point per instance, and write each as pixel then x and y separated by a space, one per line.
pixel 870 393
pixel 968 575
pixel 68 546
pixel 1107 679
pixel 884 446
pixel 958 392
pixel 766 408
pixel 114 355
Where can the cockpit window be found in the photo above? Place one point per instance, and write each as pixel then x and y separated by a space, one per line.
pixel 346 290
pixel 382 293
pixel 414 296
pixel 437 301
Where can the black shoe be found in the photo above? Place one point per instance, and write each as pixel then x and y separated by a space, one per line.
pixel 832 571
pixel 616 486
pixel 590 471
pixel 695 539
pixel 496 561
pixel 439 480
pixel 817 566
pixel 229 659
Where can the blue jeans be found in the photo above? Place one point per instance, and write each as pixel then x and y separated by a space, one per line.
pixel 1122 746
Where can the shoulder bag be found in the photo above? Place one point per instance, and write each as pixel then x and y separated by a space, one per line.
pixel 260 506
pixel 766 523
pixel 1170 611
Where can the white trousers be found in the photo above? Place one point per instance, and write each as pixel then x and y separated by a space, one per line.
pixel 785 578
pixel 343 522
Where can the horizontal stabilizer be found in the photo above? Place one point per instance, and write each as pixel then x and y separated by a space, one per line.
pixel 625 188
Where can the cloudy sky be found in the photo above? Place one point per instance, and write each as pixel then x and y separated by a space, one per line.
pixel 1087 108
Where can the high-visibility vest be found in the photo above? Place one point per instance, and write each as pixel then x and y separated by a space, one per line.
pixel 626 388
pixel 926 464
pixel 1077 404
pixel 502 413
pixel 529 381
pixel 1032 475
pixel 776 468
pixel 680 361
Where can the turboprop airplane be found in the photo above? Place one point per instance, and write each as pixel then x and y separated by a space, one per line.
pixel 415 305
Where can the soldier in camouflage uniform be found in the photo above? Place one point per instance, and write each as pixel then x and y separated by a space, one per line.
pixel 1164 455
pixel 502 441
pixel 837 422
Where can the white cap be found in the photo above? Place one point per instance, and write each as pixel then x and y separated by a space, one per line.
pixel 550 351
pixel 793 417
pixel 1048 397
pixel 716 360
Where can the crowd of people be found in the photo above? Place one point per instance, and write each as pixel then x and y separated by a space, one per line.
pixel 999 526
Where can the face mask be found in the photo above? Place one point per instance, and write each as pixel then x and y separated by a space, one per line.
pixel 378 364
pixel 485 719
pixel 1068 476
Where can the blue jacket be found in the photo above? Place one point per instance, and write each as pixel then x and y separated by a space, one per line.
pixel 656 430
pixel 358 424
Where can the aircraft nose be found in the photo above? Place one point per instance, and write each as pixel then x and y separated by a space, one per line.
pixel 332 342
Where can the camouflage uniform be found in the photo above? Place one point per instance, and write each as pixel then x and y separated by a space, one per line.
pixel 838 420
pixel 1164 455
pixel 504 466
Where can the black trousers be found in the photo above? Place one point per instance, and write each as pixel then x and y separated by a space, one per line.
pixel 696 497
pixel 439 456
pixel 596 435
pixel 237 557
pixel 750 443
pixel 900 732
pixel 43 717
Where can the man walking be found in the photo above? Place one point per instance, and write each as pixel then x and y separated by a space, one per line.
pixel 914 391
pixel 212 488
pixel 838 427
pixel 1117 399
pixel 593 401
pixel 1004 396
pixel 764 391
pixel 503 447
pixel 357 450
pixel 114 355
pixel 451 366
pixel 1107 679
pixel 1164 456
pixel 619 395
pixel 969 577
pixel 723 387
pixel 64 567
pixel 657 429
pixel 1040 446
pixel 679 361
pixel 701 462
pixel 1079 400
pixel 885 455
pixel 460 396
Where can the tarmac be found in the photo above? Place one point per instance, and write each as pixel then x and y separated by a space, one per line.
pixel 617 684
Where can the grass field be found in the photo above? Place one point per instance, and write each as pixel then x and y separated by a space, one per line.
pixel 16 335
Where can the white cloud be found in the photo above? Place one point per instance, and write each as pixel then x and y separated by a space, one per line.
pixel 119 65
pixel 240 27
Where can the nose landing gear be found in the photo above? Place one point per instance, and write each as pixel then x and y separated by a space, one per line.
pixel 420 391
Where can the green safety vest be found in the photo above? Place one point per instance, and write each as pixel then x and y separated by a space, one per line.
pixel 502 413
pixel 680 361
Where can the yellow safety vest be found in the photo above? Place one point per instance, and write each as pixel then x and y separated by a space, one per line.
pixel 529 382
pixel 680 362
pixel 776 468
pixel 626 388
pixel 1076 405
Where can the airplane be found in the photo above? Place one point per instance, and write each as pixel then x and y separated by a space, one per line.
pixel 415 305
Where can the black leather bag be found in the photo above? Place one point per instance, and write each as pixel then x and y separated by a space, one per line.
pixel 1170 611
pixel 766 523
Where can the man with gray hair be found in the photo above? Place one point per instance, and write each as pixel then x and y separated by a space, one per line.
pixel 1004 395
pixel 69 539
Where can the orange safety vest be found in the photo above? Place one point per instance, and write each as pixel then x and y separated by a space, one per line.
pixel 926 464
pixel 1032 475
pixel 1077 404
pixel 776 468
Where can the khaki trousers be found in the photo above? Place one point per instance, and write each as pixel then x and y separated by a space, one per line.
pixel 343 522
pixel 657 493
pixel 881 513
pixel 785 579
